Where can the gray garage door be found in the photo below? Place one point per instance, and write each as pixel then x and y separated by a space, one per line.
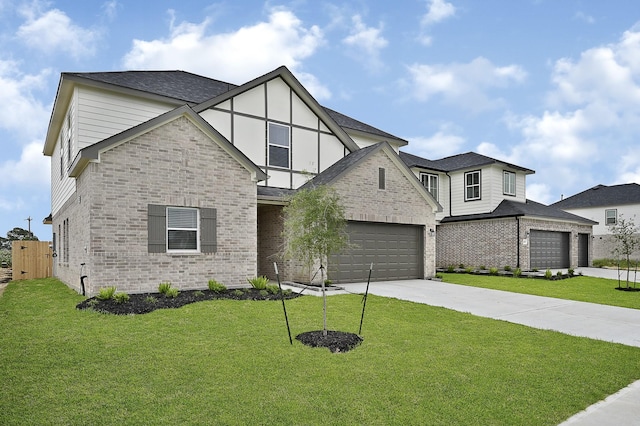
pixel 395 250
pixel 549 249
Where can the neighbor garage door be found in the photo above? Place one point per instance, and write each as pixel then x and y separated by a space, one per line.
pixel 396 252
pixel 549 249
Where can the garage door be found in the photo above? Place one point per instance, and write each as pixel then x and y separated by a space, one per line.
pixel 549 249
pixel 395 250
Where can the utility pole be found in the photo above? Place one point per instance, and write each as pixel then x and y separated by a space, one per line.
pixel 29 219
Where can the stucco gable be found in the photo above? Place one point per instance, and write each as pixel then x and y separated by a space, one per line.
pixel 93 152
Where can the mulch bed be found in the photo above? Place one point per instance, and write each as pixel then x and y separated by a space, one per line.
pixel 336 341
pixel 144 303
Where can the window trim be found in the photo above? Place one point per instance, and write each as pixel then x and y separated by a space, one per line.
pixel 428 185
pixel 196 229
pixel 276 145
pixel 615 217
pixel 467 186
pixel 505 191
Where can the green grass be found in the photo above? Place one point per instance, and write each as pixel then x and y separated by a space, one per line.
pixel 230 362
pixel 580 288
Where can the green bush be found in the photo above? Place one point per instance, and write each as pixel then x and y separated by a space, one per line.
pixel 571 272
pixel 164 287
pixel 151 300
pixel 507 268
pixel 238 292
pixel 259 283
pixel 198 293
pixel 493 271
pixel 482 267
pixel 451 268
pixel 264 293
pixel 273 288
pixel 106 293
pixel 517 273
pixel 172 292
pixel 216 287
pixel 5 257
pixel 547 274
pixel 121 297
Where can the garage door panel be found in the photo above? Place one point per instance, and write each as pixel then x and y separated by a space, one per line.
pixel 395 251
pixel 549 249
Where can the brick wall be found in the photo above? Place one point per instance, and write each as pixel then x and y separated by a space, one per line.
pixel 178 165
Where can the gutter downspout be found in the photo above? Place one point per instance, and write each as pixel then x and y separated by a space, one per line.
pixel 450 202
pixel 518 241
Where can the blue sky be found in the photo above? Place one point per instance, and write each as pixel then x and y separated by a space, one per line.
pixel 550 85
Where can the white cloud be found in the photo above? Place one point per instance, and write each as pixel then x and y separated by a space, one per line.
pixel 581 16
pixel 438 10
pixel 541 193
pixel 31 170
pixel 235 56
pixel 463 85
pixel 443 143
pixel 20 111
pixel 366 42
pixel 52 31
pixel 110 9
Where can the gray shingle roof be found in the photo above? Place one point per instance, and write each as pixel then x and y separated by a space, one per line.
pixel 180 85
pixel 457 162
pixel 602 195
pixel 508 208
pixel 195 89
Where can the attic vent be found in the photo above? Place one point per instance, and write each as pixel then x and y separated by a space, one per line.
pixel 382 184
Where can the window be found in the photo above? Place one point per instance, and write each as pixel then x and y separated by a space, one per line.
pixel 610 217
pixel 279 142
pixel 69 140
pixel 382 178
pixel 181 229
pixel 472 186
pixel 431 183
pixel 509 183
pixel 65 241
pixel 61 158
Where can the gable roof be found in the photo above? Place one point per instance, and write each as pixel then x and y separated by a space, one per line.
pixel 453 163
pixel 602 195
pixel 509 208
pixel 353 159
pixel 92 152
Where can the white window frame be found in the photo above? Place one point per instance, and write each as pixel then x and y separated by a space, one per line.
pixel 196 229
pixel 607 217
pixel 278 144
pixel 430 181
pixel 468 186
pixel 509 183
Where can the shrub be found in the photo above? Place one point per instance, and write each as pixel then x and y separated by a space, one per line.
pixel 164 287
pixel 328 282
pixel 507 268
pixel 548 274
pixel 172 292
pixel 264 293
pixel 273 288
pixel 517 273
pixel 259 283
pixel 216 287
pixel 439 275
pixel 121 297
pixel 461 266
pixel 559 274
pixel 468 270
pixel 571 272
pixel 237 292
pixel 198 294
pixel 482 267
pixel 151 300
pixel 5 257
pixel 493 271
pixel 106 293
pixel 451 268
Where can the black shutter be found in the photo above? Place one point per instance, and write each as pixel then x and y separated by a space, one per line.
pixel 157 228
pixel 208 238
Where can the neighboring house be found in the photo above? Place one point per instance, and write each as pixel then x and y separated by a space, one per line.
pixel 487 220
pixel 604 204
pixel 170 176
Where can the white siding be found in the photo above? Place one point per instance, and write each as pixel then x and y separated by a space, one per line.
pixel 303 116
pixel 331 150
pixel 458 204
pixel 364 141
pixel 628 211
pixel 305 150
pixel 63 187
pixel 102 114
pixel 279 101
pixel 249 137
pixel 219 120
pixel 250 102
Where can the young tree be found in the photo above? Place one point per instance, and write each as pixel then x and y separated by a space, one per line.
pixel 625 234
pixel 314 229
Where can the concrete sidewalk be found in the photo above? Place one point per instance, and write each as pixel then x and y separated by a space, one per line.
pixel 608 323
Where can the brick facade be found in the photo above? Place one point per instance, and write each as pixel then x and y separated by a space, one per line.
pixel 497 243
pixel 176 165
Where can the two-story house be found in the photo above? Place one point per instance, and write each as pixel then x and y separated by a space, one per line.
pixel 487 220
pixel 605 205
pixel 170 176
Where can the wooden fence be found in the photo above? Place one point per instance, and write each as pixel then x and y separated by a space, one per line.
pixel 31 259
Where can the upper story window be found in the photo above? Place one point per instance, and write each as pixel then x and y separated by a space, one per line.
pixel 610 217
pixel 279 145
pixel 472 185
pixel 431 183
pixel 509 183
pixel 182 229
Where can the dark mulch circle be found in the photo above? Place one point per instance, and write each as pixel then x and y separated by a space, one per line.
pixel 627 289
pixel 148 302
pixel 336 341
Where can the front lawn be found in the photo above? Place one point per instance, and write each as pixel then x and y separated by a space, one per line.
pixel 580 288
pixel 230 362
